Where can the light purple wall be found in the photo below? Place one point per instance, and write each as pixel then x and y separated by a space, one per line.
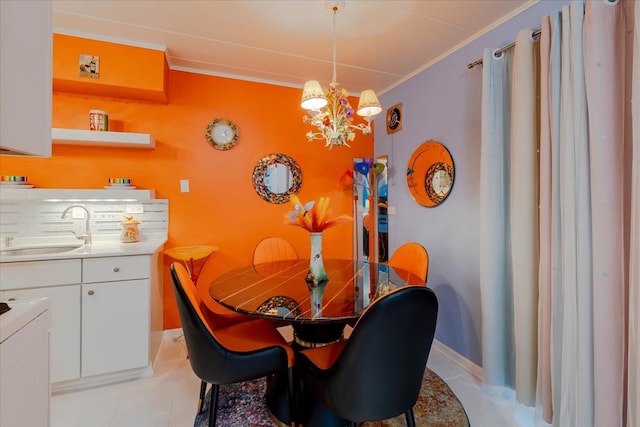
pixel 443 103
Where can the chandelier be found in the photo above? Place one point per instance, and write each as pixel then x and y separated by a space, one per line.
pixel 330 112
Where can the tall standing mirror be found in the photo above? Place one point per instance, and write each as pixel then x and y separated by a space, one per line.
pixel 430 174
pixel 370 195
pixel 276 177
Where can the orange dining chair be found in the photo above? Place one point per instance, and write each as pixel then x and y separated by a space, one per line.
pixel 376 373
pixel 273 254
pixel 232 353
pixel 273 249
pixel 413 258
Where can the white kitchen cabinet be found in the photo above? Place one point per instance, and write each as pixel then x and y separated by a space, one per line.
pixel 26 46
pixel 60 282
pixel 115 314
pixel 104 324
pixel 115 326
pixel 65 329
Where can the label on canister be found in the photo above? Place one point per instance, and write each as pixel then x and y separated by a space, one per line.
pixel 98 120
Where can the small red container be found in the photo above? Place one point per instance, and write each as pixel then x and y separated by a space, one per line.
pixel 98 120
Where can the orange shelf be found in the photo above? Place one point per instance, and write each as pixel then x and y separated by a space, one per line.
pixel 126 72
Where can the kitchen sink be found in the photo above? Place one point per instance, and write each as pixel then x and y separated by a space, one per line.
pixel 39 250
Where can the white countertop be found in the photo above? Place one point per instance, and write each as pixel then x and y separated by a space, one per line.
pixel 22 312
pixel 99 248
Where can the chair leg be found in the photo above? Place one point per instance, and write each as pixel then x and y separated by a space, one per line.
pixel 411 422
pixel 213 405
pixel 293 415
pixel 203 389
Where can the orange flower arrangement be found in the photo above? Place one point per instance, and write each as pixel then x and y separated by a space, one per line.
pixel 312 216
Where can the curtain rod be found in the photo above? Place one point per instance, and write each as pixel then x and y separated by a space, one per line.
pixel 535 33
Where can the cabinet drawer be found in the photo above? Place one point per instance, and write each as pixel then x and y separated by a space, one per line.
pixel 111 269
pixel 36 274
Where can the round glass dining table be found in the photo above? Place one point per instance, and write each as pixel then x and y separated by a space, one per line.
pixel 278 291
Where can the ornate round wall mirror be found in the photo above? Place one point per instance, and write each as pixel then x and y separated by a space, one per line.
pixel 276 177
pixel 430 174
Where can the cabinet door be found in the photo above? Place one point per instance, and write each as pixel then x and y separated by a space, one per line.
pixel 65 327
pixel 115 326
pixel 26 39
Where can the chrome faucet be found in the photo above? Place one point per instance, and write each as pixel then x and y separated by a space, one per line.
pixel 87 233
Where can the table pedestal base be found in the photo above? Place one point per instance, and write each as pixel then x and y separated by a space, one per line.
pixel 311 411
pixel 308 335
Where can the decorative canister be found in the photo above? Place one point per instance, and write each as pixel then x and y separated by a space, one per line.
pixel 98 120
pixel 129 230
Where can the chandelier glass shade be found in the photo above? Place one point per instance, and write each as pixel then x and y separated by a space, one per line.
pixel 330 112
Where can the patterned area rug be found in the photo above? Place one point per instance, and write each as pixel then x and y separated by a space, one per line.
pixel 243 404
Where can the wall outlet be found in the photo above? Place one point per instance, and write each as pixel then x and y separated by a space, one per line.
pixel 391 210
pixel 137 208
pixel 184 185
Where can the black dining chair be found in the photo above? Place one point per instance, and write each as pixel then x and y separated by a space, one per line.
pixel 232 353
pixel 215 316
pixel 377 373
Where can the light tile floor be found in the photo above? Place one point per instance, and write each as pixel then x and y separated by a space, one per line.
pixel 168 398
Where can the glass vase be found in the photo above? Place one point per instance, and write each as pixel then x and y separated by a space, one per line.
pixel 317 277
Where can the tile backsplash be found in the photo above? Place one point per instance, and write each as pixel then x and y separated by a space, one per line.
pixel 44 218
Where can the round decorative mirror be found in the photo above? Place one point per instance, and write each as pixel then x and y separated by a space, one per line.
pixel 430 174
pixel 276 177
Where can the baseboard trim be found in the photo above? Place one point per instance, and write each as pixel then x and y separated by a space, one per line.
pixel 172 333
pixel 458 359
pixel 101 380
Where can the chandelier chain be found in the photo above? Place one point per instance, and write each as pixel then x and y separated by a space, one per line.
pixel 335 11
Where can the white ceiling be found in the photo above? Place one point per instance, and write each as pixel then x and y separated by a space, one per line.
pixel 380 43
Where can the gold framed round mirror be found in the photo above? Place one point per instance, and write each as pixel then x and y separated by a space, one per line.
pixel 276 177
pixel 430 174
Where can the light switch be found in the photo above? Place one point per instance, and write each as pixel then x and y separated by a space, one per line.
pixel 391 210
pixel 184 185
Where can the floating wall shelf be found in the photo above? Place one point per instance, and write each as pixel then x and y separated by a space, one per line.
pixel 102 139
pixel 7 193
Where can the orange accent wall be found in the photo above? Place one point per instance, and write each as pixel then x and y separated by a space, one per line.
pixel 222 207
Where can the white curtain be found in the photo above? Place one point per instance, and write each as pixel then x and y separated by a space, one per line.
pixel 559 229
pixel 548 271
pixel 495 262
pixel 576 360
pixel 524 212
pixel 633 359
pixel 605 76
